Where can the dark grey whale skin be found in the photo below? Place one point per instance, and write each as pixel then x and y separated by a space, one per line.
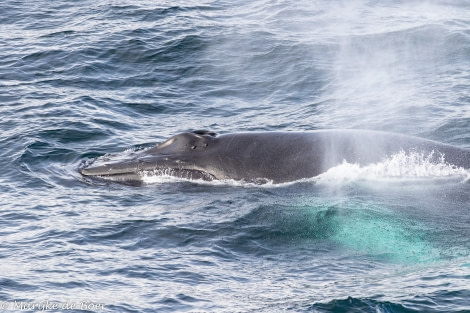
pixel 261 157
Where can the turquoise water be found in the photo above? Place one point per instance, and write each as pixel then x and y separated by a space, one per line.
pixel 82 79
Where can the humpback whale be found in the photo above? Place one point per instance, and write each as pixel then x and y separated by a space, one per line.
pixel 262 157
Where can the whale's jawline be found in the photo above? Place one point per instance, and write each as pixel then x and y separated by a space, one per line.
pixel 139 177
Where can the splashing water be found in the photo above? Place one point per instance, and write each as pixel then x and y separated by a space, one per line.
pixel 400 166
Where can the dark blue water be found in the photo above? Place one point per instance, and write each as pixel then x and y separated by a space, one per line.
pixel 80 79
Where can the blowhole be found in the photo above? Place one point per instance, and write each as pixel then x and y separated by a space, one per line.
pixel 204 132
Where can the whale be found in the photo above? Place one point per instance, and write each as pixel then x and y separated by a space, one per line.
pixel 262 157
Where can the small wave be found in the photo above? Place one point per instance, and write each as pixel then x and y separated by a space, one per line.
pixel 351 304
pixel 398 167
pixel 114 157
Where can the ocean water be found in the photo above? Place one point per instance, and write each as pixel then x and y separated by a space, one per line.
pixel 81 79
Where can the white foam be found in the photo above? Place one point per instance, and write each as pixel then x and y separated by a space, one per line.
pixel 165 176
pixel 398 167
pixel 153 178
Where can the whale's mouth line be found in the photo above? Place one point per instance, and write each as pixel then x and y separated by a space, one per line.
pixel 140 174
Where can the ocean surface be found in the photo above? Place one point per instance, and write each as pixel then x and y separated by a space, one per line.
pixel 82 79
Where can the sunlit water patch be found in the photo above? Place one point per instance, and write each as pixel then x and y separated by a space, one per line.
pixel 369 229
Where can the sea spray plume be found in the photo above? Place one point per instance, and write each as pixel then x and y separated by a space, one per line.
pixel 383 70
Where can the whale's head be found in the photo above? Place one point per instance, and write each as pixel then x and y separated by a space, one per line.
pixel 184 155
